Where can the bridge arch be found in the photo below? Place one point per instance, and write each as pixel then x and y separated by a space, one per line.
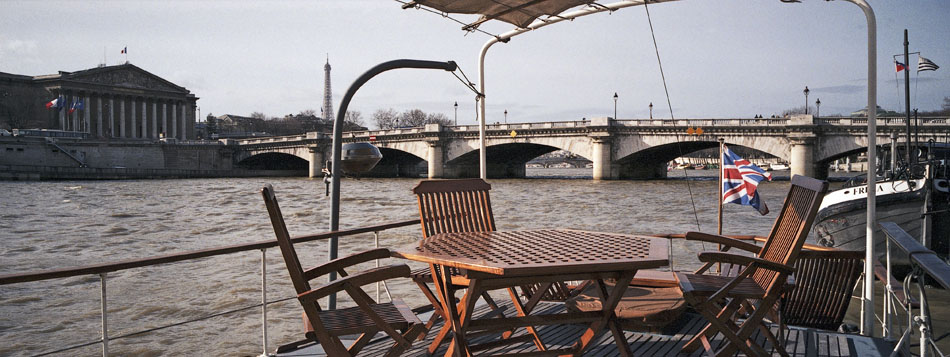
pixel 504 159
pixel 275 161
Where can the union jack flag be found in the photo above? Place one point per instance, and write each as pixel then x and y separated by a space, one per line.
pixel 740 178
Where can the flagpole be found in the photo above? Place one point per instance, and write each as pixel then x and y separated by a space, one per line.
pixel 719 226
pixel 719 198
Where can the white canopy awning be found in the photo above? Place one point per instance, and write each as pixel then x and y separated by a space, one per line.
pixel 520 13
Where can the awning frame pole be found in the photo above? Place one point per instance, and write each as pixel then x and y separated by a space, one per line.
pixel 867 304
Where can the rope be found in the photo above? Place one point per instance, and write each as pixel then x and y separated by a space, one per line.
pixel 467 82
pixel 673 119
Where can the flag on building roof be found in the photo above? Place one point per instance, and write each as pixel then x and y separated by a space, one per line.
pixel 924 64
pixel 55 103
pixel 900 66
pixel 125 49
pixel 740 178
pixel 77 105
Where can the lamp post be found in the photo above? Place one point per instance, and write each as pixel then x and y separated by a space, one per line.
pixel 506 116
pixel 806 98
pixel 818 107
pixel 651 110
pixel 456 113
pixel 615 105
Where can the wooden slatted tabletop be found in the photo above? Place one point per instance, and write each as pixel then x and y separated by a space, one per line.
pixel 539 252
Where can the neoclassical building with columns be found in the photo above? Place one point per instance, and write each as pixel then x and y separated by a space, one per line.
pixel 119 102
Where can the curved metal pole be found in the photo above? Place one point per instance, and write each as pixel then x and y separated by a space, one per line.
pixel 335 166
pixel 867 305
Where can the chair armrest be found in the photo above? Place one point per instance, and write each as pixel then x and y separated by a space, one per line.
pixel 726 241
pixel 339 264
pixel 723 257
pixel 358 279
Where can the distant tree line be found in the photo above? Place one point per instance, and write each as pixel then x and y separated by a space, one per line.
pixel 290 124
pixel 389 118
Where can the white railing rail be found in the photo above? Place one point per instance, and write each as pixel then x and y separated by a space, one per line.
pixel 103 269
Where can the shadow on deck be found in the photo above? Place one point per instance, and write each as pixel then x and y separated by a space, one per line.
pixel 799 341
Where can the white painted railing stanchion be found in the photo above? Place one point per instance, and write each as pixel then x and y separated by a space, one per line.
pixel 105 320
pixel 376 245
pixel 264 299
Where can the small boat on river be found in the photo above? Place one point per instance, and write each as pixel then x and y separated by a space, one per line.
pixel 916 199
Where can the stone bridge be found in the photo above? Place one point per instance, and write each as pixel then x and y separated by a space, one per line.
pixel 619 149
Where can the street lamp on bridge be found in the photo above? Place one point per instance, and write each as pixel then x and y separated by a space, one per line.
pixel 506 116
pixel 651 110
pixel 806 98
pixel 615 105
pixel 456 113
pixel 818 107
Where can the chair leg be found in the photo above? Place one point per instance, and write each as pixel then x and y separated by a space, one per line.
pixel 437 312
pixel 708 332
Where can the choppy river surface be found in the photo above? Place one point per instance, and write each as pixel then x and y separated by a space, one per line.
pixel 58 224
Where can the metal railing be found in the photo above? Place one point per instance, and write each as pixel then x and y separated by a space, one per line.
pixel 925 265
pixel 102 270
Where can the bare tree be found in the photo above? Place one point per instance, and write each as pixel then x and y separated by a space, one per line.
pixel 353 121
pixel 412 118
pixel 438 118
pixel 385 119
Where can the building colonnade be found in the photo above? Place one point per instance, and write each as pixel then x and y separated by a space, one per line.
pixel 123 115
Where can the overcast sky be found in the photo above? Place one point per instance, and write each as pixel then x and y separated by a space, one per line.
pixel 722 58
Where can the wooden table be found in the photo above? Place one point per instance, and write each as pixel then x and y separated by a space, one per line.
pixel 497 260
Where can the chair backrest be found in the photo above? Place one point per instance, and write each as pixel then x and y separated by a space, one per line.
pixel 824 282
pixel 791 227
pixel 283 239
pixel 450 206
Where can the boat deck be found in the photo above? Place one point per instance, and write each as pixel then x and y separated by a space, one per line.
pixel 799 341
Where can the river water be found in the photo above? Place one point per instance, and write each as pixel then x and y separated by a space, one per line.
pixel 58 224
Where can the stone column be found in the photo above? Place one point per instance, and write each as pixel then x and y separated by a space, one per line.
pixel 164 119
pixel 62 112
pixel 174 120
pixel 99 115
pixel 87 110
pixel 184 121
pixel 435 159
pixel 144 129
pixel 803 157
pixel 122 132
pixel 75 114
pixel 316 161
pixel 111 117
pixel 154 119
pixel 601 157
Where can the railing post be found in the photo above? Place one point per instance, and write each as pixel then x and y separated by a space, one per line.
pixel 264 298
pixel 105 319
pixel 376 245
pixel 888 292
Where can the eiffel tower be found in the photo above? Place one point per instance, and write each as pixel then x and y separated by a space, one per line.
pixel 327 95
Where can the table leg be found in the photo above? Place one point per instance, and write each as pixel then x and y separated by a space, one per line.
pixel 525 309
pixel 609 317
pixel 457 348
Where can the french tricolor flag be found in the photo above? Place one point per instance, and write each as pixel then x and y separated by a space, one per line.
pixel 125 49
pixel 55 103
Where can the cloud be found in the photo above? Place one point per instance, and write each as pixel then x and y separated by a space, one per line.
pixel 21 50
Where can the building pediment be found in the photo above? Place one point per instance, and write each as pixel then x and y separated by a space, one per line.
pixel 127 76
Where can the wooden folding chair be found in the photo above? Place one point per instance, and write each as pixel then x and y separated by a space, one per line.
pixel 760 283
pixel 824 282
pixel 451 206
pixel 367 318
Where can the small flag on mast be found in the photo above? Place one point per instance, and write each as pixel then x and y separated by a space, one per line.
pixel 740 178
pixel 77 105
pixel 125 50
pixel 900 66
pixel 924 64
pixel 55 103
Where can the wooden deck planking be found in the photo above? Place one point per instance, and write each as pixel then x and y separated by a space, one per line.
pixel 799 342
